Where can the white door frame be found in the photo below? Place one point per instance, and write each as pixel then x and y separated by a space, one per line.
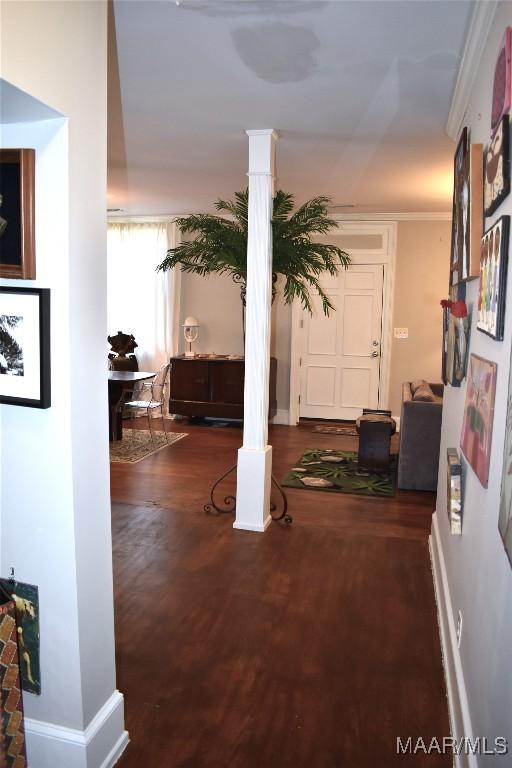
pixel 386 255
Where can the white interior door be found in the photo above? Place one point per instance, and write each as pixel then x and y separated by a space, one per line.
pixel 340 359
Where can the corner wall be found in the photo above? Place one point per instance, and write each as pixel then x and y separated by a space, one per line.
pixel 55 501
pixel 478 576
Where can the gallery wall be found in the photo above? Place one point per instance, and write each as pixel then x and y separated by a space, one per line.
pixel 473 573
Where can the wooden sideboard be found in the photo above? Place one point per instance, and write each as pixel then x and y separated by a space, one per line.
pixel 213 386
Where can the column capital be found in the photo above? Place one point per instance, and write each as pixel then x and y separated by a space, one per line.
pixel 262 151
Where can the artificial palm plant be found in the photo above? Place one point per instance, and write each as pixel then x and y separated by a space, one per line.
pixel 220 245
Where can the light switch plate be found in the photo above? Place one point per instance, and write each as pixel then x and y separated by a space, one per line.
pixel 401 333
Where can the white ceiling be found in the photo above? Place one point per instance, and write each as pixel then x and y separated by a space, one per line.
pixel 359 93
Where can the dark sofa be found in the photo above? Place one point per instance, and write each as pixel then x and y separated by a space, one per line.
pixel 420 436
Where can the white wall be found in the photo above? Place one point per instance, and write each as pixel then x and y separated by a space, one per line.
pixel 55 473
pixel 479 577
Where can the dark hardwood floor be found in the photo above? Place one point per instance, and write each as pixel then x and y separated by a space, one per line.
pixel 313 646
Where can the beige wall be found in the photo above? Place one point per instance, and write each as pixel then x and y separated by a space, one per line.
pixel 421 280
pixel 215 302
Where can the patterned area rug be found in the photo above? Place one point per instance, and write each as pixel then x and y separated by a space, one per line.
pixel 336 429
pixel 132 449
pixel 321 469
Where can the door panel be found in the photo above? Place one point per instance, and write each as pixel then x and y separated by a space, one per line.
pixel 340 360
pixel 322 336
pixel 357 324
pixel 321 385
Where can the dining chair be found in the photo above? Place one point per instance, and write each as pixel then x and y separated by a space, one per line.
pixel 154 391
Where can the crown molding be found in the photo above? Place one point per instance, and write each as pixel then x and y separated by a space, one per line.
pixel 419 216
pixel 474 46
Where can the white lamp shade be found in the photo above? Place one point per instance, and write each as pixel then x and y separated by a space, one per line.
pixel 190 322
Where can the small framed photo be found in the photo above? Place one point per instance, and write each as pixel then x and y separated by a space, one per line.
pixel 497 168
pixel 457 209
pixel 17 225
pixel 25 347
pixel 493 279
pixel 454 490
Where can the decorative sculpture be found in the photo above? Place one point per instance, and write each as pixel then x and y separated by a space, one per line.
pixel 121 354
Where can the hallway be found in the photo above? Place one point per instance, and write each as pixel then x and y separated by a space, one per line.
pixel 309 647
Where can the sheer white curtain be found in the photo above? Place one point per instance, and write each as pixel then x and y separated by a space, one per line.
pixel 139 299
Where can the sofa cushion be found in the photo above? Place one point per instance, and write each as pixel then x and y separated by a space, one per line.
pixel 416 384
pixel 424 394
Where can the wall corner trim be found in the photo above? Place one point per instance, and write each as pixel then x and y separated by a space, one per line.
pixel 478 30
pixel 458 705
pixel 282 417
pixel 101 743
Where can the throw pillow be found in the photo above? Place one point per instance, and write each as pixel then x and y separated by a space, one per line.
pixel 424 394
pixel 417 383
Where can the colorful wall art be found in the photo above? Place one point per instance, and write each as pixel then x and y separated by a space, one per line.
pixel 505 517
pixel 26 600
pixel 477 425
pixel 497 168
pixel 493 279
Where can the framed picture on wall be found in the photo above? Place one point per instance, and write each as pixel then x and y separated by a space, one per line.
pixel 497 168
pixel 454 490
pixel 505 515
pixel 502 86
pixel 456 329
pixel 476 438
pixel 17 226
pixel 25 347
pixel 471 212
pixel 457 208
pixel 493 279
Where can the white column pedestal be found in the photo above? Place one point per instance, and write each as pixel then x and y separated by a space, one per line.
pixel 255 457
pixel 253 489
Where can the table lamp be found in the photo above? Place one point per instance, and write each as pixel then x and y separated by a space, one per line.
pixel 191 332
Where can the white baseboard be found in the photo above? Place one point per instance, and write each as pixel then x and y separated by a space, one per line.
pixel 100 745
pixel 460 718
pixel 281 417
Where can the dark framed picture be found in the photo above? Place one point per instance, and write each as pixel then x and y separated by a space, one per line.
pixel 454 490
pixel 457 205
pixel 493 279
pixel 497 168
pixel 17 225
pixel 502 87
pixel 456 330
pixel 25 347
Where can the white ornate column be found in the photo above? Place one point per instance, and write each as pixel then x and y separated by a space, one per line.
pixel 255 456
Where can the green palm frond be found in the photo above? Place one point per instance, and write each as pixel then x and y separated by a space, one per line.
pixel 220 244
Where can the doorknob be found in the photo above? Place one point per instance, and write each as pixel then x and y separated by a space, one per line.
pixel 374 354
pixel 375 343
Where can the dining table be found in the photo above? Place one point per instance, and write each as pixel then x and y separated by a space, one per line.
pixel 120 382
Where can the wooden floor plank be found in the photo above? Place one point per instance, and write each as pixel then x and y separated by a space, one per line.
pixel 313 646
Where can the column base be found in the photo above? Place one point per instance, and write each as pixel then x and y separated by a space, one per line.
pixel 253 489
